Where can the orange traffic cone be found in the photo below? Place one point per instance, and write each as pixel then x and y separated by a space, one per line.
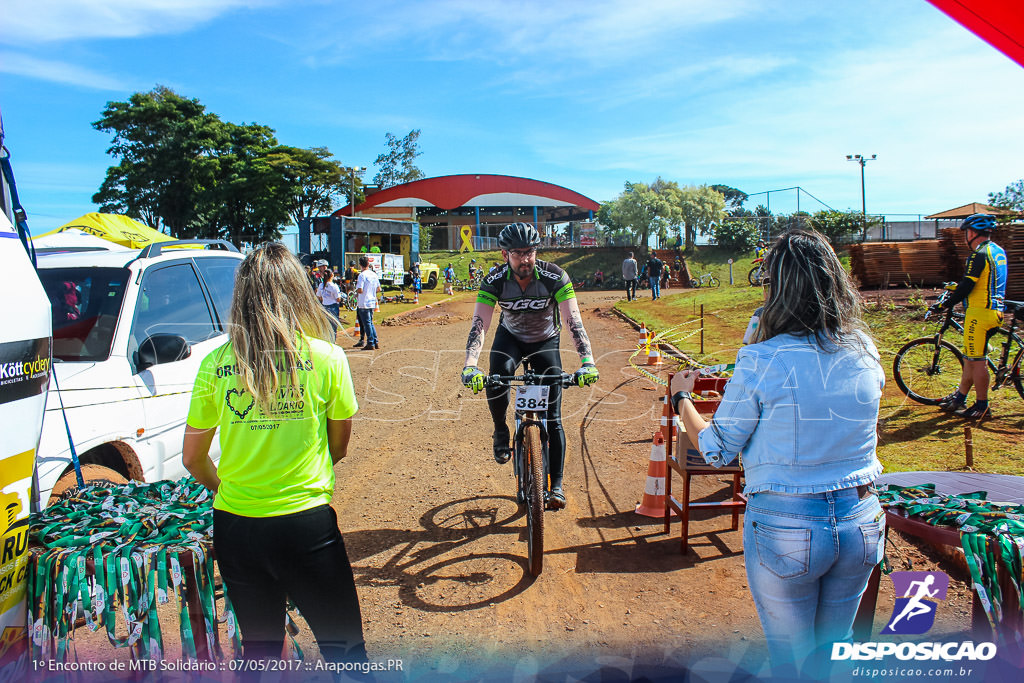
pixel 357 332
pixel 654 355
pixel 669 421
pixel 653 504
pixel 645 337
pixel 415 296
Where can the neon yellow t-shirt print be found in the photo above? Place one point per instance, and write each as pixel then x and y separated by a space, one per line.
pixel 275 462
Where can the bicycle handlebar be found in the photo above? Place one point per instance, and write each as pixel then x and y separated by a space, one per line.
pixel 527 378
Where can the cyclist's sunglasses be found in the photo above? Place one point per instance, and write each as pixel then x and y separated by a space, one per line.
pixel 522 253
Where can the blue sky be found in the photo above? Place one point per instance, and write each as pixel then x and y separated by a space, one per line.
pixel 754 94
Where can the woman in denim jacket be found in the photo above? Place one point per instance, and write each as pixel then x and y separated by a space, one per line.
pixel 802 407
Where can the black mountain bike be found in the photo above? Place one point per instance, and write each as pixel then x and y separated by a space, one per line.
pixel 530 452
pixel 928 369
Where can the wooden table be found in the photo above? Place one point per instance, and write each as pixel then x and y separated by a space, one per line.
pixel 1001 488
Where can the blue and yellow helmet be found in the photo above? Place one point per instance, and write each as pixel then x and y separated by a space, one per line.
pixel 980 221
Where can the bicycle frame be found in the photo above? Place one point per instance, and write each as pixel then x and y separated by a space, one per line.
pixel 524 418
pixel 1004 370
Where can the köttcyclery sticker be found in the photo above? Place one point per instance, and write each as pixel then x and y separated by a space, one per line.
pixel 24 368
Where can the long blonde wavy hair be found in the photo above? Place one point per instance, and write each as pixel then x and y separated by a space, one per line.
pixel 273 301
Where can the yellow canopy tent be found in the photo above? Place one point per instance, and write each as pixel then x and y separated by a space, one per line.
pixel 115 228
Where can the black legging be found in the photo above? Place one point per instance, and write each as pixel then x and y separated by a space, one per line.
pixel 507 353
pixel 264 560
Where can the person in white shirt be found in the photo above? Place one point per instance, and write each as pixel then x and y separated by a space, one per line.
pixel 366 287
pixel 330 296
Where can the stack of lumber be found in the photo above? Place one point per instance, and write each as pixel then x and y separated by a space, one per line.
pixel 929 263
pixel 899 264
pixel 1009 237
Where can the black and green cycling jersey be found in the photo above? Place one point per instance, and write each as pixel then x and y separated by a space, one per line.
pixel 530 314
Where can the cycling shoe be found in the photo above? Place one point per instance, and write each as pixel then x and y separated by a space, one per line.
pixel 502 451
pixel 554 499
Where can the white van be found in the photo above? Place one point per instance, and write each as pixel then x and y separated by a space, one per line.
pixel 130 329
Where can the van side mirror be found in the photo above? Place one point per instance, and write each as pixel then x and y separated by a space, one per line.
pixel 161 348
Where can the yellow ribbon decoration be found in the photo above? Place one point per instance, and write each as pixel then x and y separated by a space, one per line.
pixel 467 235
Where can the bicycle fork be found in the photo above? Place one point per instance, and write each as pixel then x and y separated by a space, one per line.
pixel 521 421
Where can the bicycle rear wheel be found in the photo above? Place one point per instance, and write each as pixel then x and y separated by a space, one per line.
pixel 926 373
pixel 754 276
pixel 695 283
pixel 533 488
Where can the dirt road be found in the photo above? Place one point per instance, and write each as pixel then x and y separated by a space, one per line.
pixel 436 538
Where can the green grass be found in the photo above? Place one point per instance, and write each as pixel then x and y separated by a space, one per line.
pixel 911 436
pixel 582 263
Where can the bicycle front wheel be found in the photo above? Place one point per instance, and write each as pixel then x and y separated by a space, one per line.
pixel 754 276
pixel 350 302
pixel 714 281
pixel 925 372
pixel 534 492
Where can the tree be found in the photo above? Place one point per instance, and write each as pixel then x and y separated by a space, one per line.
pixel 397 164
pixel 250 194
pixel 733 198
pixel 701 209
pixel 1010 198
pixel 738 235
pixel 166 145
pixel 835 225
pixel 641 209
pixel 313 180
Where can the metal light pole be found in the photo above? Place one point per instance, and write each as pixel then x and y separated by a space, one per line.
pixel 352 189
pixel 862 160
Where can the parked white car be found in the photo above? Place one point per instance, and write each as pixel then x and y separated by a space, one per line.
pixel 130 329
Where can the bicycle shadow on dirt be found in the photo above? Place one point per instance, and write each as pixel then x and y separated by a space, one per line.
pixel 941 423
pixel 429 581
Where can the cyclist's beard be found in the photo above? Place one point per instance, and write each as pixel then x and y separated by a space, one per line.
pixel 523 271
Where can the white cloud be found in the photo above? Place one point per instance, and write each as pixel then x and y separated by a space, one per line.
pixel 57 72
pixel 35 21
pixel 938 112
pixel 498 31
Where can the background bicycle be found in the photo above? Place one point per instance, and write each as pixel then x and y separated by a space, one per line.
pixel 707 279
pixel 757 273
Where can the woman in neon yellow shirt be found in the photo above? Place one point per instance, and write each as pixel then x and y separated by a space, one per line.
pixel 280 396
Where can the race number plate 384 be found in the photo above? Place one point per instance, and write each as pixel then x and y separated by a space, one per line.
pixel 532 397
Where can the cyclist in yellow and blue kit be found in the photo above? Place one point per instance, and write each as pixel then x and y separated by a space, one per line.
pixel 982 290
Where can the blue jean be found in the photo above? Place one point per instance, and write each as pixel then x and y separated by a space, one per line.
pixel 365 317
pixel 335 310
pixel 655 283
pixel 808 558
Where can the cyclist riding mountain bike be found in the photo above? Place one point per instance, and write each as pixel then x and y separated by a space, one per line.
pixel 761 249
pixel 982 290
pixel 534 297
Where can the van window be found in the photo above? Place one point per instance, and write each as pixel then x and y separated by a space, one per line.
pixel 219 275
pixel 171 302
pixel 84 305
